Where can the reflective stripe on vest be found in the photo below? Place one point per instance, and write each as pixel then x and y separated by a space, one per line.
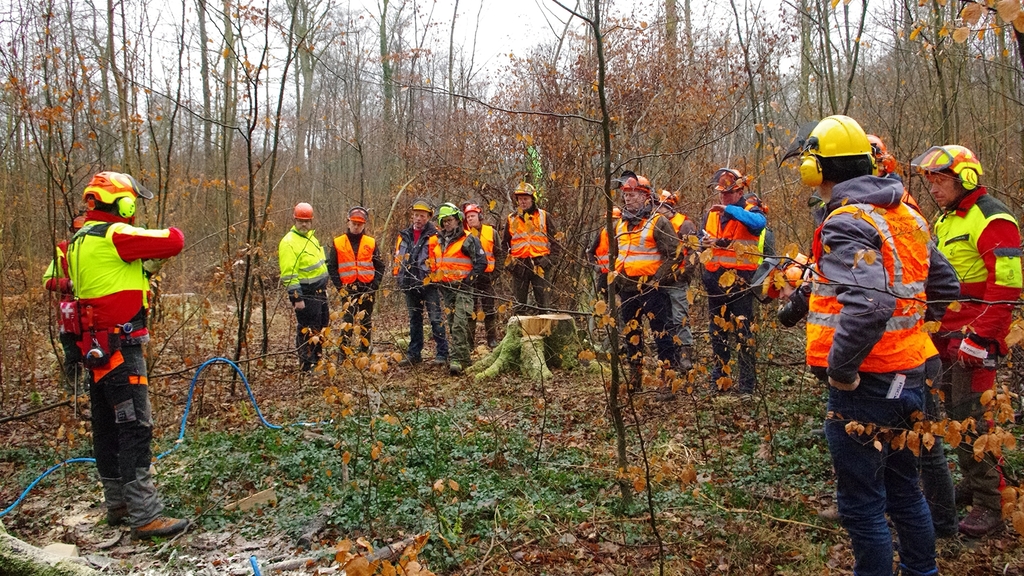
pixel 97 270
pixel 905 255
pixel 638 251
pixel 529 235
pixel 355 267
pixel 453 265
pixel 601 256
pixel 744 252
pixel 487 236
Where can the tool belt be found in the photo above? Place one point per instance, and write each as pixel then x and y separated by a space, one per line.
pixel 99 344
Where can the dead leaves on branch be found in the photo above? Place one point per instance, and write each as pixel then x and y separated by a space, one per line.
pixel 379 562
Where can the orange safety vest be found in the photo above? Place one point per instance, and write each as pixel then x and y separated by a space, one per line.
pixel 904 345
pixel 638 251
pixel 529 235
pixel 487 237
pixel 401 254
pixel 601 256
pixel 677 221
pixel 743 253
pixel 355 266
pixel 453 265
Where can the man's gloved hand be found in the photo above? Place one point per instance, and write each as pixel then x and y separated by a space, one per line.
pixel 972 354
pixel 152 267
pixel 65 285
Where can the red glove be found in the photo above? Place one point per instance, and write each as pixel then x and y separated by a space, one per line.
pixel 971 354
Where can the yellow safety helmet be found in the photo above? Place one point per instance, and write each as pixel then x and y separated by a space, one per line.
pixel 957 159
pixel 836 137
pixel 525 189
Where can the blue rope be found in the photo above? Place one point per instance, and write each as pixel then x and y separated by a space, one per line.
pixel 181 431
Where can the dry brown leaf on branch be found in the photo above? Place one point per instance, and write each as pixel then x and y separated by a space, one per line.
pixel 1018 22
pixel 961 34
pixel 1008 9
pixel 728 278
pixel 972 13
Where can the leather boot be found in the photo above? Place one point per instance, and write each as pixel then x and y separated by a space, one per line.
pixel 159 526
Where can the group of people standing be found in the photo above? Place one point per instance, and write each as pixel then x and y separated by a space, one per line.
pixel 446 270
pixel 877 274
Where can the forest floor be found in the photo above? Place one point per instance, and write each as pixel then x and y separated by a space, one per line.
pixel 508 477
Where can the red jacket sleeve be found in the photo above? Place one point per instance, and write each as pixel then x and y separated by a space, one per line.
pixel 993 321
pixel 141 244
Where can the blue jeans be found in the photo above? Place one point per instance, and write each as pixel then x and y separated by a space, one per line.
pixel 415 300
pixel 936 480
pixel 872 482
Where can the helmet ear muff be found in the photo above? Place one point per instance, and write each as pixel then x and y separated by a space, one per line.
pixel 126 206
pixel 810 171
pixel 968 178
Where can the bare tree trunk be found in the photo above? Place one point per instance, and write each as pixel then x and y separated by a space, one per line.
pixel 204 72
pixel 671 24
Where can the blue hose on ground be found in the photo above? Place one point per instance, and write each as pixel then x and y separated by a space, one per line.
pixel 181 431
pixel 255 565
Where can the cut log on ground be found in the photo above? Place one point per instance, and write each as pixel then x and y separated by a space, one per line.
pixel 19 558
pixel 532 345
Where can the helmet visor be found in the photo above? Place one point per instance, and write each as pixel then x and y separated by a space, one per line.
pixel 934 159
pixel 724 180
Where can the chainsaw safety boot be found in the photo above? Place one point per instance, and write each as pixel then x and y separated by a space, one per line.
pixel 159 526
pixel 981 522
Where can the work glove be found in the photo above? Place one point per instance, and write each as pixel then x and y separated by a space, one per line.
pixel 972 354
pixel 152 267
pixel 65 286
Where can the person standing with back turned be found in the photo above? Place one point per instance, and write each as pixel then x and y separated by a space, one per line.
pixel 304 275
pixel 105 265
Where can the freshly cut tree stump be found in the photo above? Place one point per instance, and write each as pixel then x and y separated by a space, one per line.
pixel 532 345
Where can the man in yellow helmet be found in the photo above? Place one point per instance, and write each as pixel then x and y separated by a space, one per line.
pixel 303 267
pixel 873 267
pixel 529 240
pixel 981 238
pixel 105 268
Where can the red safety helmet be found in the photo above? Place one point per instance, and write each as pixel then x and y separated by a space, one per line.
pixel 629 181
pixel 667 197
pixel 470 207
pixel 303 211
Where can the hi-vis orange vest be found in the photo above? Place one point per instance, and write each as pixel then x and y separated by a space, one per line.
pixel 743 253
pixel 601 256
pixel 678 219
pixel 355 266
pixel 487 237
pixel 638 251
pixel 453 265
pixel 529 235
pixel 904 345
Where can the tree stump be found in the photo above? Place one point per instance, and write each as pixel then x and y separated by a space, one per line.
pixel 20 558
pixel 532 346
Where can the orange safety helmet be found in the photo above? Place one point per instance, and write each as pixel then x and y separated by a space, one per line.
pixel 470 207
pixel 667 197
pixel 727 180
pixel 957 159
pixel 884 162
pixel 303 211
pixel 630 181
pixel 107 187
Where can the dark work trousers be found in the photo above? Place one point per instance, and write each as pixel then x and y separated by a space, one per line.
pixel 936 481
pixel 357 319
pixel 654 305
pixel 310 321
pixel 73 369
pixel 524 277
pixel 122 429
pixel 733 307
pixel 483 301
pixel 416 300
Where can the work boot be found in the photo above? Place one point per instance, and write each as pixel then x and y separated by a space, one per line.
pixel 117 516
pixel 981 522
pixel 407 362
pixel 439 361
pixel 159 526
pixel 455 368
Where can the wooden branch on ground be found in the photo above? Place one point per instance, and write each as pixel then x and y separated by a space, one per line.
pixel 18 557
